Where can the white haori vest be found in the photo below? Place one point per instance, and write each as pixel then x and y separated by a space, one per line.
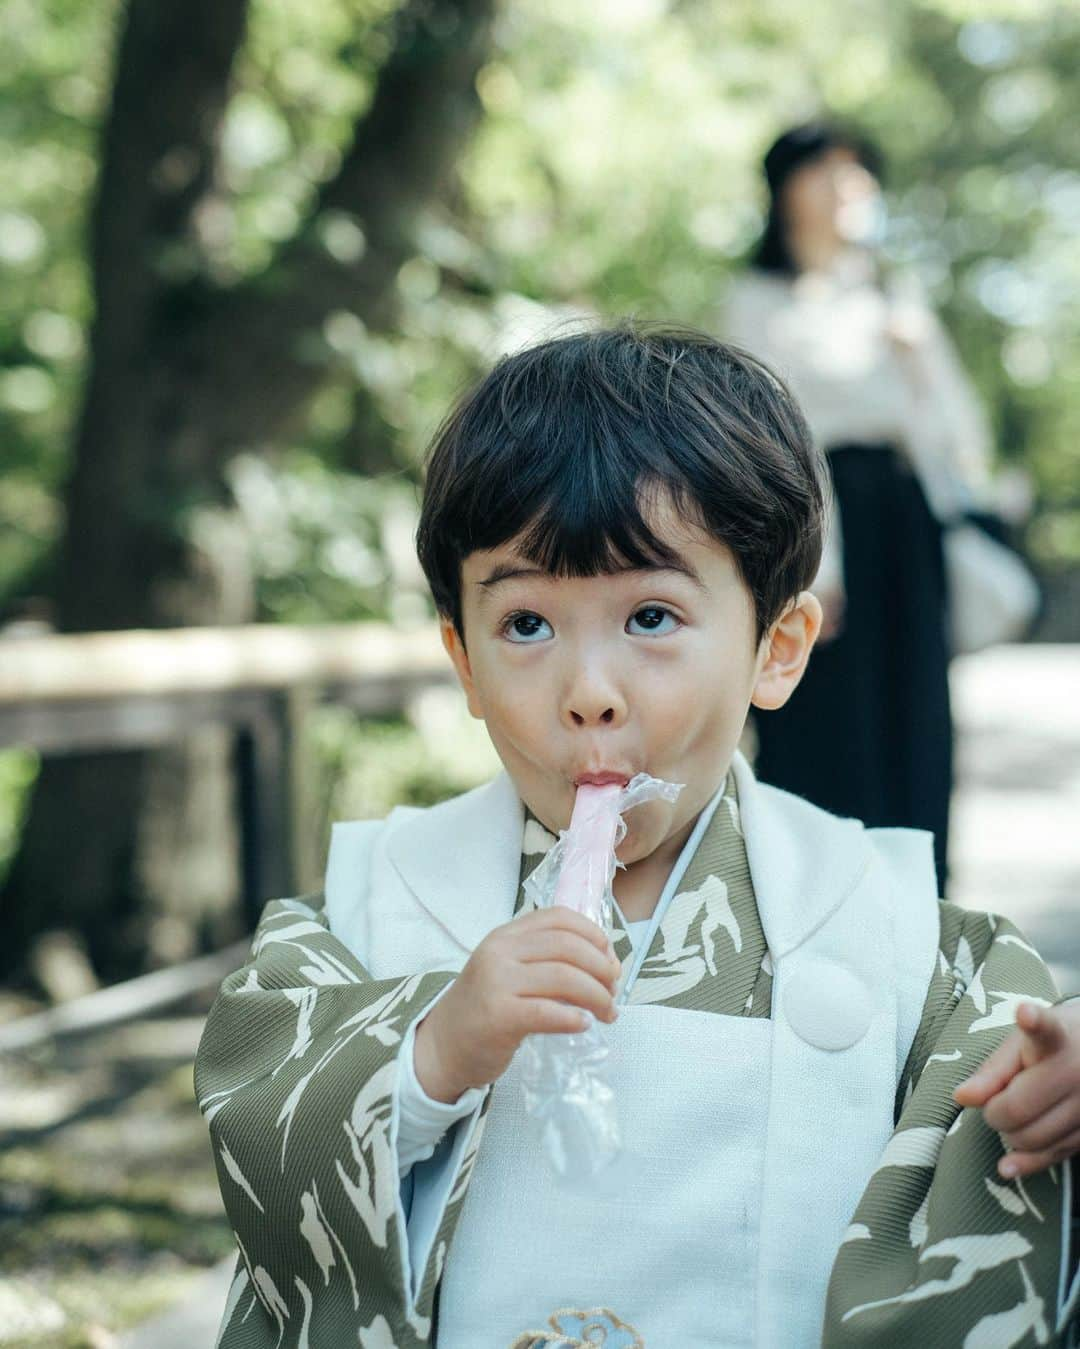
pixel 748 1141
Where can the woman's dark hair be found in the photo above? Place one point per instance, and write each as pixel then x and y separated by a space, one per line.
pixel 796 147
pixel 569 445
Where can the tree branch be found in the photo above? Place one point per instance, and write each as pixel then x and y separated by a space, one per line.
pixel 250 348
pixel 173 68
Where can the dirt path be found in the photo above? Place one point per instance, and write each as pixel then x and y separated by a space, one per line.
pixel 1016 814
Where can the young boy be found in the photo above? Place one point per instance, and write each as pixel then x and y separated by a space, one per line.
pixel 619 529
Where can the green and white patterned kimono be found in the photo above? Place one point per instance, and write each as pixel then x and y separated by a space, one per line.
pixel 298 1071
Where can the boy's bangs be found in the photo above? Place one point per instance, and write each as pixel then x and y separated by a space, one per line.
pixel 595 535
pixel 581 451
pixel 585 522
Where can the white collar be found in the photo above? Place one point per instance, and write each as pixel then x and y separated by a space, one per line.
pixel 803 861
pixel 462 859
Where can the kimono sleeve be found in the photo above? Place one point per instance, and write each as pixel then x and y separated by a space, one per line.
pixel 297 1076
pixel 941 1250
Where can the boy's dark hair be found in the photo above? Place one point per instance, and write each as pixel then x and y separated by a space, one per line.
pixel 570 442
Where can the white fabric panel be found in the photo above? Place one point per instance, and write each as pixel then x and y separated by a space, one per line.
pixel 666 1239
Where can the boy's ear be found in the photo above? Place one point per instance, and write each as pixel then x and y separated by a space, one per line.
pixel 787 648
pixel 455 649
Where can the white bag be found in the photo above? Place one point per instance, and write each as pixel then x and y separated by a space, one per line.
pixel 993 597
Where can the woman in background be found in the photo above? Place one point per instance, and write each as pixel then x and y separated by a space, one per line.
pixel 869 732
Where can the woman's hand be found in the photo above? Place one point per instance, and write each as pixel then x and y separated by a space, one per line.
pixel 536 974
pixel 1029 1089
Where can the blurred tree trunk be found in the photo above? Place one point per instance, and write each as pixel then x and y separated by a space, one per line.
pixel 183 374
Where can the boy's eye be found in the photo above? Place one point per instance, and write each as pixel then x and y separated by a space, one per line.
pixel 652 620
pixel 525 628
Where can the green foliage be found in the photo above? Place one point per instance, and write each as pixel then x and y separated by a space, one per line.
pixel 328 544
pixel 54 70
pixel 614 171
pixel 365 768
pixel 18 769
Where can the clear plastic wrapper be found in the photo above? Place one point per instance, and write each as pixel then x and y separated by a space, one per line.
pixel 565 1081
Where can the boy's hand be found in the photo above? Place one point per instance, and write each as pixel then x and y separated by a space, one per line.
pixel 1029 1089
pixel 517 982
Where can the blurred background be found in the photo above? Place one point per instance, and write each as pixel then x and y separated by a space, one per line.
pixel 249 252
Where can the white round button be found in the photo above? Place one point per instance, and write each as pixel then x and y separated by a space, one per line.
pixel 827 1006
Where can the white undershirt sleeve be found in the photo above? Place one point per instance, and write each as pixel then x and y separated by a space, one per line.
pixel 423 1121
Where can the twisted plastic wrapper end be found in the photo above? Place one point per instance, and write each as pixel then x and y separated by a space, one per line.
pixel 565 1080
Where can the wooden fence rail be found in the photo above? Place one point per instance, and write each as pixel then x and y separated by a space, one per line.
pixel 61 694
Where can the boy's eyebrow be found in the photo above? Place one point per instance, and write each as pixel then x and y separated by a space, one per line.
pixel 505 571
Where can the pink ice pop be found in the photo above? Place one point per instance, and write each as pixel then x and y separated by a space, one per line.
pixel 587 864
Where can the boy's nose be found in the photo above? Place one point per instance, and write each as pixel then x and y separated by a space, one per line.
pixel 593 701
pixel 580 719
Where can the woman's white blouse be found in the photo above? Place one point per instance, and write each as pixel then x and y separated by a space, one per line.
pixel 869 365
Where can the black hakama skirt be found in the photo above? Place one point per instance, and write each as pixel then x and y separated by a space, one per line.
pixel 868 732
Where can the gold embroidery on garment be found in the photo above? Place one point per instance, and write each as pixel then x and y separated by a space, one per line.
pixel 595 1326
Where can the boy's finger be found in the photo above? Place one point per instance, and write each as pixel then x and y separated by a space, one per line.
pixel 1020 1164
pixel 558 915
pixel 1045 1033
pixel 1031 1095
pixel 996 1073
pixel 1042 1131
pixel 560 944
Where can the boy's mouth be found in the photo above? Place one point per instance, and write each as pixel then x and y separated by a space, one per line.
pixel 602 779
